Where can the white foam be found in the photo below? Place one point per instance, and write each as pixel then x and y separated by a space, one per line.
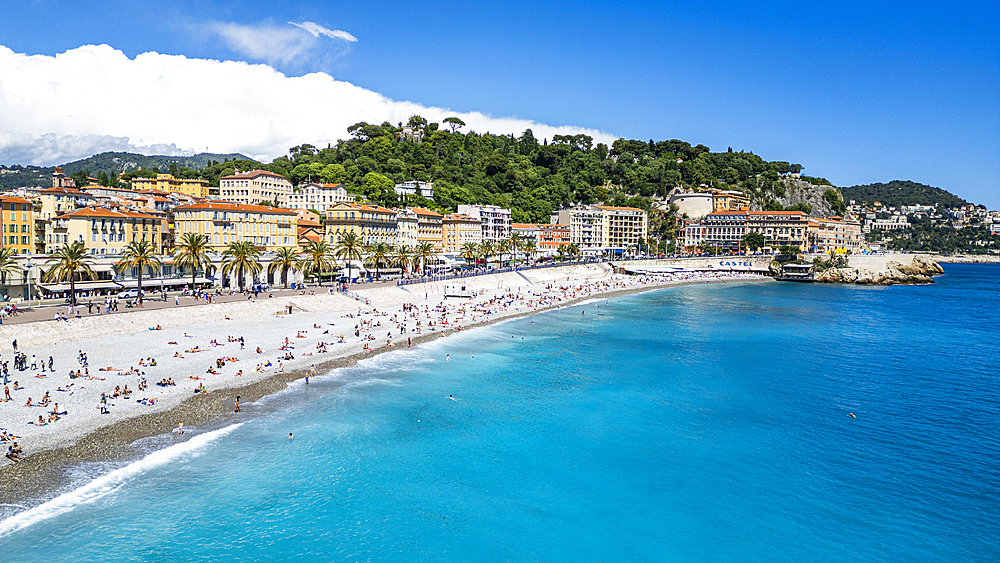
pixel 111 482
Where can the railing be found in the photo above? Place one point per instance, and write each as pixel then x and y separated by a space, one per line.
pixel 475 273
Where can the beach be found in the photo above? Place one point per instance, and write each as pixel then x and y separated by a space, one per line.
pixel 190 341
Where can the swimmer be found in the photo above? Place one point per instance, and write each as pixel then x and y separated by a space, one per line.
pixel 851 415
pixel 447 357
pixel 289 435
pixel 452 398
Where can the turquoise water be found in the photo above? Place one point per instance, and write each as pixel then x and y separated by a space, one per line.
pixel 703 423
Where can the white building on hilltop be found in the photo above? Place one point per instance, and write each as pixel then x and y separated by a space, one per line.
pixel 425 189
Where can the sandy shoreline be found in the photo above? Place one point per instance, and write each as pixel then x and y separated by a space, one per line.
pixel 97 438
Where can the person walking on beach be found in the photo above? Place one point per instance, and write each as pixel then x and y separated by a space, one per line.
pixel 180 429
pixel 50 365
pixel 6 392
pixel 237 409
pixel 14 344
pixel 312 373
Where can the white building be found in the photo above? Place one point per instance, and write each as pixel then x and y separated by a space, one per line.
pixel 407 228
pixel 425 189
pixel 495 220
pixel 318 197
pixel 586 227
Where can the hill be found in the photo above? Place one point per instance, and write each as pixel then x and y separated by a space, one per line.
pixel 902 192
pixel 111 163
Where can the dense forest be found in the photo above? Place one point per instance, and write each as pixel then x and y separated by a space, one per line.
pixel 901 192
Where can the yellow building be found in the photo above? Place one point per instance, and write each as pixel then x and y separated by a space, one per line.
pixel 834 235
pixel 372 223
pixel 167 183
pixel 459 229
pixel 729 201
pixel 59 200
pixel 430 227
pixel 103 231
pixel 18 218
pixel 269 228
pixel 252 188
pixel 780 228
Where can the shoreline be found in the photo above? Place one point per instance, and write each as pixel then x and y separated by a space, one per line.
pixel 43 474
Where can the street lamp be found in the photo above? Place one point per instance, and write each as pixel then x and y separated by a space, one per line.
pixel 28 264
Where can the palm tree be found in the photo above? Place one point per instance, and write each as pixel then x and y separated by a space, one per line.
pixel 139 254
pixel 378 253
pixel 319 258
pixel 285 259
pixel 8 266
pixel 528 247
pixel 404 257
pixel 241 257
pixel 487 249
pixel 470 252
pixel 573 249
pixel 68 262
pixel 512 244
pixel 193 252
pixel 348 248
pixel 425 251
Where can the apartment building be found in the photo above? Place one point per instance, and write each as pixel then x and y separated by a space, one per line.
pixel 495 221
pixel 460 229
pixel 269 228
pixel 319 197
pixel 18 217
pixel 407 228
pixel 423 189
pixel 834 235
pixel 623 228
pixel 586 227
pixel 430 228
pixel 721 229
pixel 58 200
pixel 166 183
pixel 252 188
pixel 104 231
pixel 371 223
pixel 729 201
pixel 780 228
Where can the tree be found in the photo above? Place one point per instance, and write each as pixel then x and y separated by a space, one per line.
pixel 139 254
pixel 753 241
pixel 67 263
pixel 424 251
pixel 318 253
pixel 573 249
pixel 487 249
pixel 193 252
pixel 348 248
pixel 403 257
pixel 286 258
pixel 528 247
pixel 512 244
pixel 8 266
pixel 378 254
pixel 454 122
pixel 470 252
pixel 241 257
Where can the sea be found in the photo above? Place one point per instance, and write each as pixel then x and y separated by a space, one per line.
pixel 739 422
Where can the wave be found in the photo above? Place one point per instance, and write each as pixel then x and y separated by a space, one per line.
pixel 111 482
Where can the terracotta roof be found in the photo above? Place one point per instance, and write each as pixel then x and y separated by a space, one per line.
pixel 310 235
pixel 774 213
pixel 13 199
pixel 252 174
pixel 235 207
pixel 101 212
pixel 462 217
pixel 734 212
pixel 424 211
pixel 66 190
pixel 309 223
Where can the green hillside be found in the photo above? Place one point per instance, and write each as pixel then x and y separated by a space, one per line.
pixel 902 192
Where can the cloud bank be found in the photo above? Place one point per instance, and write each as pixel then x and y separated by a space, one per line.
pixel 283 47
pixel 55 109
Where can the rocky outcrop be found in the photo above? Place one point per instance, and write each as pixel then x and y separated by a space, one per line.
pixel 920 270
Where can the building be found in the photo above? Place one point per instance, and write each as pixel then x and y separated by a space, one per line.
pixel 721 229
pixel 430 228
pixel 623 228
pixel 309 231
pixel 60 180
pixel 18 217
pixel 59 200
pixel 414 187
pixel 460 229
pixel 694 205
pixel 495 221
pixel 834 236
pixel 104 231
pixel 729 201
pixel 548 237
pixel 371 223
pixel 586 229
pixel 319 197
pixel 269 228
pixel 166 183
pixel 407 228
pixel 780 228
pixel 252 188
pixel 892 223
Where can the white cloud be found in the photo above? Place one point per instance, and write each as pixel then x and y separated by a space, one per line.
pixel 316 30
pixel 94 98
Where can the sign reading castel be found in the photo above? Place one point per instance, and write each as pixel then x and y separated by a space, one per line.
pixel 738 263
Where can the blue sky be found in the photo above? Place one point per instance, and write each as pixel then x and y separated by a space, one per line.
pixel 856 92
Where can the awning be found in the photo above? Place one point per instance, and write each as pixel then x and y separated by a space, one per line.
pixel 148 283
pixel 80 286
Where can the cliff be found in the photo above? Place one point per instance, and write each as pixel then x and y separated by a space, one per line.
pixel 883 270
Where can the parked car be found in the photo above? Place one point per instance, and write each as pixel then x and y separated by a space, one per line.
pixel 130 294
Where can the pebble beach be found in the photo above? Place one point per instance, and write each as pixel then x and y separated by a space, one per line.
pixel 200 347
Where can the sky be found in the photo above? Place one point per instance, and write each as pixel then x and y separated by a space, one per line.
pixel 856 92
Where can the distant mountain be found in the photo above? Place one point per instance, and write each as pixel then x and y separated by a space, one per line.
pixel 901 192
pixel 16 176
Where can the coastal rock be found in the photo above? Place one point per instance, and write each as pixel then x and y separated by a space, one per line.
pixel 919 271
